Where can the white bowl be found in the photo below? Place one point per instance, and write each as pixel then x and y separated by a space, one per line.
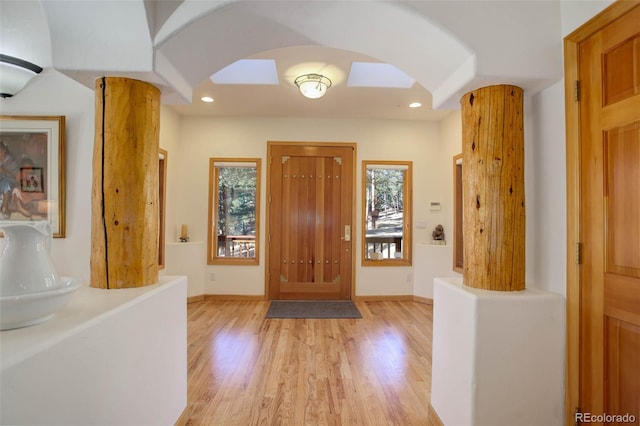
pixel 33 308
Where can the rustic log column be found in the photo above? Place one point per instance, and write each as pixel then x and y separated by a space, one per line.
pixel 124 216
pixel 493 188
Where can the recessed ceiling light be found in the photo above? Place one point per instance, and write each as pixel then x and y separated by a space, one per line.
pixel 208 99
pixel 415 105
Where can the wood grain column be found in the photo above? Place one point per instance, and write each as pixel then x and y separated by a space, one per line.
pixel 124 208
pixel 493 188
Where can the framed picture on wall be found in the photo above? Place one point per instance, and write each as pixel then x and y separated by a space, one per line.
pixel 31 179
pixel 32 170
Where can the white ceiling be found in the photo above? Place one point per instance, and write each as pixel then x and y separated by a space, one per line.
pixel 448 47
pixel 284 100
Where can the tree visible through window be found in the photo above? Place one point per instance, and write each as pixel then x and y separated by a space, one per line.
pixel 387 212
pixel 234 200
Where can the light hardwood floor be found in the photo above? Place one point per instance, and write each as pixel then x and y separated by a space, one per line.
pixel 244 369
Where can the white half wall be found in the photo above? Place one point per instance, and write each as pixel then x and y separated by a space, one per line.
pixel 498 357
pixel 109 357
pixel 432 261
pixel 186 259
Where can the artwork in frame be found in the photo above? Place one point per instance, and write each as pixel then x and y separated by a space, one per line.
pixel 31 179
pixel 32 170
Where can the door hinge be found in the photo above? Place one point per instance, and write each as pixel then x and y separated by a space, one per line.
pixel 578 255
pixel 576 91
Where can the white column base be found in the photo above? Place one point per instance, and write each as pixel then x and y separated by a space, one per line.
pixel 498 357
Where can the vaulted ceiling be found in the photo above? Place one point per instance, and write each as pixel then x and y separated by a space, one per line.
pixel 448 47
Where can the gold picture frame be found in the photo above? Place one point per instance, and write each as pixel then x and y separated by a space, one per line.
pixel 29 143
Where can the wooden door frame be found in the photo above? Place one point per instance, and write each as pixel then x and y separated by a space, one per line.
pixel 574 225
pixel 270 145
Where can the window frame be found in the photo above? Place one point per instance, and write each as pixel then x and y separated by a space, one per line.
pixel 458 234
pixel 163 157
pixel 407 229
pixel 212 243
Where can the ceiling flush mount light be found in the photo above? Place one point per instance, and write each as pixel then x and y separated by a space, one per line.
pixel 207 99
pixel 15 73
pixel 313 86
pixel 415 105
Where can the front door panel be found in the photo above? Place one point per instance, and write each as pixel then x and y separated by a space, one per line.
pixel 310 213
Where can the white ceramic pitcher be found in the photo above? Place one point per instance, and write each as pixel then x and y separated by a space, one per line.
pixel 25 263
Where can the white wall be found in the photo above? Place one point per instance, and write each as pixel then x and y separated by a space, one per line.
pixel 202 138
pixel 437 261
pixel 546 197
pixel 574 13
pixel 191 141
pixel 51 93
pixel 545 169
pixel 544 177
pixel 451 136
pixel 169 141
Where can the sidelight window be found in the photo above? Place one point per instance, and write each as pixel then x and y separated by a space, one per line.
pixel 386 197
pixel 234 197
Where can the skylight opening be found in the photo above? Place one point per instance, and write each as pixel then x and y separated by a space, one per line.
pixel 375 74
pixel 248 71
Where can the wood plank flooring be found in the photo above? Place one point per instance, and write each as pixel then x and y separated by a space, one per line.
pixel 244 369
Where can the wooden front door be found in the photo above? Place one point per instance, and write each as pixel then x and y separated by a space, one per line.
pixel 609 74
pixel 310 206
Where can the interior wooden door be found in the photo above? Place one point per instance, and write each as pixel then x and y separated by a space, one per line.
pixel 609 72
pixel 310 217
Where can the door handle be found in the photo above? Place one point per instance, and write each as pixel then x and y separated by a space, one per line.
pixel 347 232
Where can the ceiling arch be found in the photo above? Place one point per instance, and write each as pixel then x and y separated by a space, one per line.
pixel 175 44
pixel 218 36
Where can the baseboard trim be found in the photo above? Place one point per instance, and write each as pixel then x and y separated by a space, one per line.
pixel 433 416
pixel 183 419
pixel 399 297
pixel 259 297
pixel 242 297
pixel 194 299
pixel 425 300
